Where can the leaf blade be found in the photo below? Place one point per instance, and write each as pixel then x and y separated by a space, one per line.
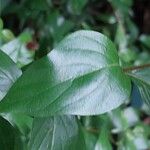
pixel 68 75
pixel 8 73
pixel 59 132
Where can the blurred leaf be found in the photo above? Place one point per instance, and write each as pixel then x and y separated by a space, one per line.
pixel 8 73
pixel 140 139
pixel 58 26
pixel 128 55
pixel 134 139
pixel 120 37
pixel 107 18
pixel 56 133
pixel 127 141
pixel 133 30
pixel 103 142
pixel 38 5
pixel 71 76
pixel 143 57
pixel 145 39
pixel 18 51
pixel 7 35
pixel 131 116
pixel 142 81
pixel 123 118
pixel 122 5
pixel 3 4
pixel 118 119
pixel 76 6
pixel 1 24
pixel 90 140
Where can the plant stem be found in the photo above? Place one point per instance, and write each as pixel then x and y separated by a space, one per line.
pixel 136 67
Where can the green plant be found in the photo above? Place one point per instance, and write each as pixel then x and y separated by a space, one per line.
pixel 81 76
pixel 66 87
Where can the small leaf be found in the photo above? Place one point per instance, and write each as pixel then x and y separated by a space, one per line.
pixel 56 133
pixel 145 40
pixel 18 51
pixel 58 26
pixel 81 76
pixel 1 24
pixel 76 6
pixel 142 81
pixel 103 142
pixel 7 35
pixel 8 73
pixel 120 37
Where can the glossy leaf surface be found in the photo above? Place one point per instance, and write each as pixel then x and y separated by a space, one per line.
pixel 81 76
pixel 8 73
pixel 56 133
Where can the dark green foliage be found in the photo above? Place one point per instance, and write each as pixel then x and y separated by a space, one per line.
pixel 64 85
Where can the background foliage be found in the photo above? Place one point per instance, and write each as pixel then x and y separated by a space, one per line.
pixel 29 30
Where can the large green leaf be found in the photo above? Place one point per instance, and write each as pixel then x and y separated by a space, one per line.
pixel 142 79
pixel 8 73
pixel 9 137
pixel 81 76
pixel 56 133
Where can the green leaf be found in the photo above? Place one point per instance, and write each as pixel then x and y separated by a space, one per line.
pixel 90 139
pixel 22 122
pixel 8 73
pixel 145 39
pixel 142 79
pixel 134 139
pixel 122 5
pixel 76 6
pixel 103 142
pixel 9 140
pixel 120 37
pixel 58 26
pixel 118 120
pixel 18 51
pixel 56 133
pixel 81 76
pixel 1 24
pixel 7 35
